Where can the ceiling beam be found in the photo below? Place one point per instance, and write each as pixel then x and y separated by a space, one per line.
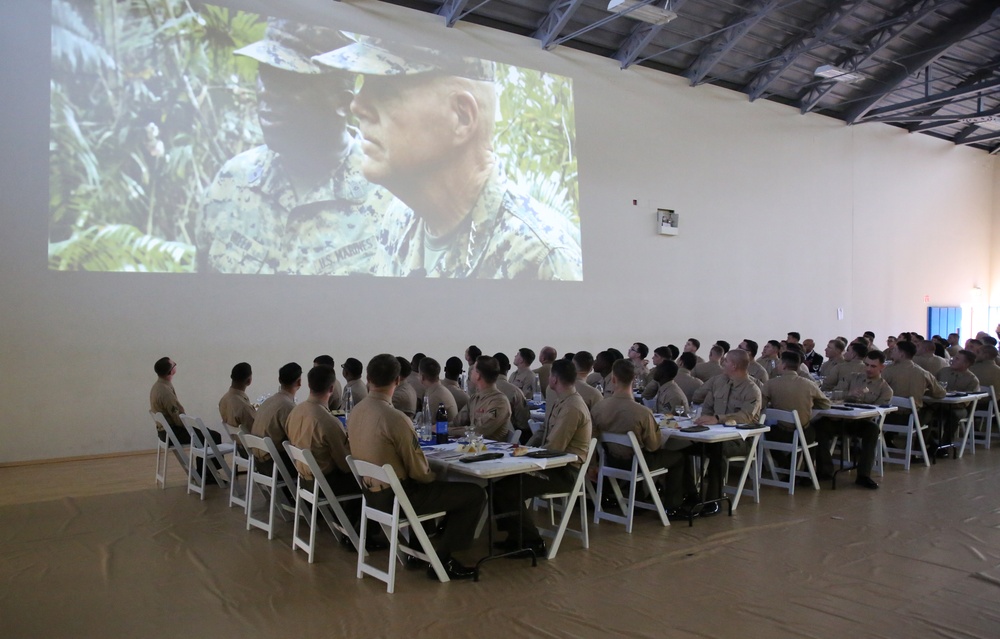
pixel 780 63
pixel 910 15
pixel 640 36
pixel 962 25
pixel 939 119
pixel 952 95
pixel 594 25
pixel 454 10
pixel 975 77
pixel 727 38
pixel 555 21
pixel 992 135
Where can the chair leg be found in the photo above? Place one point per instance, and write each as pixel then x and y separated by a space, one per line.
pixel 923 448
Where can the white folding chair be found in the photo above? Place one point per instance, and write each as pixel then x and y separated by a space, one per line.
pixel 401 517
pixel 798 451
pixel 212 456
pixel 241 463
pixel 751 464
pixel 271 486
pixel 168 443
pixel 577 497
pixel 912 429
pixel 319 499
pixel 988 418
pixel 638 474
pixel 967 429
pixel 513 435
pixel 649 403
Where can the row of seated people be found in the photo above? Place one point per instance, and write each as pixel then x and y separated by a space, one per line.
pixel 586 395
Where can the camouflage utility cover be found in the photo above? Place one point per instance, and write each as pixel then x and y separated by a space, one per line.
pixel 508 235
pixel 290 46
pixel 253 221
pixel 373 56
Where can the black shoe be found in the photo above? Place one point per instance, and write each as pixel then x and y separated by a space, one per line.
pixel 414 563
pixel 710 510
pixel 510 544
pixel 866 482
pixel 942 453
pixel 454 570
pixel 823 475
pixel 376 543
pixel 679 514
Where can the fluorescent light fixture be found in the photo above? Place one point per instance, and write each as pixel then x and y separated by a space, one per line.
pixel 988 122
pixel 636 10
pixel 837 74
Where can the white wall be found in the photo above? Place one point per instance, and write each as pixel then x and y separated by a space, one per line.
pixel 784 218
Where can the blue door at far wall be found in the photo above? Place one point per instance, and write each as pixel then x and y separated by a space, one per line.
pixel 942 320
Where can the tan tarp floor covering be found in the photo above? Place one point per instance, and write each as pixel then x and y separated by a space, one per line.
pixel 93 549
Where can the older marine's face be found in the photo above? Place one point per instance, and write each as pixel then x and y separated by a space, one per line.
pixel 406 123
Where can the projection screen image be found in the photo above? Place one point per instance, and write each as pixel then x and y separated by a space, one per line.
pixel 213 140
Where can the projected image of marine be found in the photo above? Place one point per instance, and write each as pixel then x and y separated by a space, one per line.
pixel 298 203
pixel 427 121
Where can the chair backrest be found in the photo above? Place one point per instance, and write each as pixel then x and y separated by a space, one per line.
pixel 649 403
pixel 907 403
pixel 266 445
pixel 773 415
pixel 171 437
pixel 366 470
pixel 992 407
pixel 304 456
pixel 194 430
pixel 513 435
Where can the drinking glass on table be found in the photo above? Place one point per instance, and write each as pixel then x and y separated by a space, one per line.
pixel 838 397
pixel 944 385
pixel 679 411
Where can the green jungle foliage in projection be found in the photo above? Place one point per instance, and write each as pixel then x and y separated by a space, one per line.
pixel 147 102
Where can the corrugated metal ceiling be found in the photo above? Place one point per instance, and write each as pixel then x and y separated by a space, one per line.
pixel 930 66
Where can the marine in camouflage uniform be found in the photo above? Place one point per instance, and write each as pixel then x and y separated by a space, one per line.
pixel 506 234
pixel 255 220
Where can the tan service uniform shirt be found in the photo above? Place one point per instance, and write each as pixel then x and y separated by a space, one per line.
pixel 518 406
pixel 859 388
pixel 706 370
pixel 567 426
pixel 733 399
pixel 930 363
pixel 909 380
pixel 621 415
pixel 271 419
pixel 788 391
pixel 589 394
pixel 311 426
pixel 163 399
pixel 964 382
pixel 543 374
pixel 404 399
pixel 842 371
pixel 669 397
pixel 461 397
pixel 988 373
pixel 688 383
pixel 523 379
pixel 381 435
pixel 437 394
pixel 359 390
pixel 758 372
pixel 235 410
pixel 488 412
